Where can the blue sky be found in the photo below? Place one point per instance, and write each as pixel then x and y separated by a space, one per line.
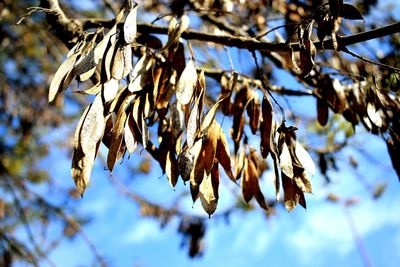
pixel 318 236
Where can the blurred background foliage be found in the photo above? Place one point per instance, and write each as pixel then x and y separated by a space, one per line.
pixel 28 54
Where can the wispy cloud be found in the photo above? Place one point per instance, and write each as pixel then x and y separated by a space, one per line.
pixel 326 230
pixel 144 231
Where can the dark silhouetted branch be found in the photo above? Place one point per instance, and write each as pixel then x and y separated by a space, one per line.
pixel 67 29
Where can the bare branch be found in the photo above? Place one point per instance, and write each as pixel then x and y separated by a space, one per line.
pixel 346 50
pixel 17 183
pixel 111 5
pixel 358 240
pixel 24 219
pixel 368 35
pixel 90 23
pixel 66 29
pixel 252 43
pixel 216 75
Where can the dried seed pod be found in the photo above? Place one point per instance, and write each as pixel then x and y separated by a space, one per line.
pixel 171 168
pixel 266 126
pixel 209 190
pixel 322 112
pixel 186 83
pixel 88 136
pixel 130 27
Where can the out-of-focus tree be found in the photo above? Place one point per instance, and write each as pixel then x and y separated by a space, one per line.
pixel 159 86
pixel 26 216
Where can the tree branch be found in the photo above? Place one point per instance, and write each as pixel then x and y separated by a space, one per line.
pixel 68 29
pixel 368 35
pixel 221 24
pixel 358 240
pixel 346 50
pixel 217 74
pixel 252 43
pixel 24 219
pixel 111 5
pixel 90 23
pixel 58 211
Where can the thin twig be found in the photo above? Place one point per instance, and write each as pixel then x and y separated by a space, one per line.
pixel 221 24
pixel 24 219
pixel 171 14
pixel 338 71
pixel 258 37
pixel 245 42
pixel 111 5
pixel 361 248
pixel 229 58
pixel 217 74
pixel 75 27
pixel 34 10
pixel 76 226
pixel 42 202
pixel 346 50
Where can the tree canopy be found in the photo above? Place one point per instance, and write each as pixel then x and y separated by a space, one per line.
pixel 198 85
